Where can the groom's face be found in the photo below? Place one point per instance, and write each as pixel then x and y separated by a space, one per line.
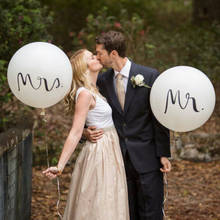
pixel 103 56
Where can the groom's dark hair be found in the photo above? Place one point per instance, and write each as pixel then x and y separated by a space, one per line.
pixel 112 40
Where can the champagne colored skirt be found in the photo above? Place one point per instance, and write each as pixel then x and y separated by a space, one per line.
pixel 98 188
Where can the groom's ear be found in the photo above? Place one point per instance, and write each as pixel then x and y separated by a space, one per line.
pixel 114 53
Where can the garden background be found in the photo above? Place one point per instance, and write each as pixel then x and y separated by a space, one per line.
pixel 160 34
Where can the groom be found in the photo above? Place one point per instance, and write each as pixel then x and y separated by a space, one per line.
pixel 144 142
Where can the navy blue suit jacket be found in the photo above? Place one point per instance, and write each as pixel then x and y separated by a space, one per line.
pixel 140 134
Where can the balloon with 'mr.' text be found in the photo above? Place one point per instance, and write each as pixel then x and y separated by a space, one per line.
pixel 39 74
pixel 182 98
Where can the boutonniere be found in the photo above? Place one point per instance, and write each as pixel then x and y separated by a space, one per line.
pixel 138 80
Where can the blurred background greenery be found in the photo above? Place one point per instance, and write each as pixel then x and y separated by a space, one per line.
pixel 160 34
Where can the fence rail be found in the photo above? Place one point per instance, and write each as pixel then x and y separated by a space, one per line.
pixel 16 173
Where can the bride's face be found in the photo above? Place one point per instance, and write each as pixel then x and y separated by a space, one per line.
pixel 93 63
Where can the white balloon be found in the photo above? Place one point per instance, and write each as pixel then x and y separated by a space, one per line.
pixel 39 74
pixel 182 98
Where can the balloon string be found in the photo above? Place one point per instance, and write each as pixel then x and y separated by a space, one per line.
pixel 175 139
pixel 48 163
pixel 166 192
pixel 176 136
pixel 43 114
pixel 58 201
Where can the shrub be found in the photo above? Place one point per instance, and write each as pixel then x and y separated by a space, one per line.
pixel 132 26
pixel 188 45
pixel 157 46
pixel 22 22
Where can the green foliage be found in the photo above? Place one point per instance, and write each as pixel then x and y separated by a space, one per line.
pixel 132 27
pixel 69 15
pixel 159 46
pixel 189 45
pixel 21 22
pixel 3 82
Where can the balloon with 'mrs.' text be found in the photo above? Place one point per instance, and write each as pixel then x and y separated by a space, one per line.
pixel 182 98
pixel 39 74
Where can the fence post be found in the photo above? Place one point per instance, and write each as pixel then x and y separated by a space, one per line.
pixel 16 173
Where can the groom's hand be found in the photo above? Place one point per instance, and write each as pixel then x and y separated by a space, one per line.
pixel 166 165
pixel 92 134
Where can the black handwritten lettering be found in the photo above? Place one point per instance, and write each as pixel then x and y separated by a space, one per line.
pixel 24 81
pixel 46 86
pixel 27 78
pixel 174 100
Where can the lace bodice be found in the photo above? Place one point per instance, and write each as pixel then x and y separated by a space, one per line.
pixel 101 115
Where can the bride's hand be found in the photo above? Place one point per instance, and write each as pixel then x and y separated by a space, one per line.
pixel 52 172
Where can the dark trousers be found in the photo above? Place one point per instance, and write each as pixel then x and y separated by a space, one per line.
pixel 145 193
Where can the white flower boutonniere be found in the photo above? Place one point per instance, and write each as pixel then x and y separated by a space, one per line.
pixel 138 80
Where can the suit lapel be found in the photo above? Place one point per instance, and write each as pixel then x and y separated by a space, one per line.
pixel 111 92
pixel 130 90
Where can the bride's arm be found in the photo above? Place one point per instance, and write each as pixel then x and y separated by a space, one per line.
pixel 83 104
pixel 84 101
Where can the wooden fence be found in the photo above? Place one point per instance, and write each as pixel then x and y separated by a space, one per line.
pixel 16 174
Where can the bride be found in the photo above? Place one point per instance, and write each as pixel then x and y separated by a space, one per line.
pixel 98 187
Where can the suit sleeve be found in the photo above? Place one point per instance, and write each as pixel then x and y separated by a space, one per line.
pixel 161 133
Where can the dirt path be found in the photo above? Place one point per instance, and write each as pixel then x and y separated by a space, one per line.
pixel 193 192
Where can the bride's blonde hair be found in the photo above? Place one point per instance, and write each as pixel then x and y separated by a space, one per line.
pixel 81 78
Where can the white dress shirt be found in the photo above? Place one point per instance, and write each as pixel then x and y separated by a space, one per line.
pixel 125 73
